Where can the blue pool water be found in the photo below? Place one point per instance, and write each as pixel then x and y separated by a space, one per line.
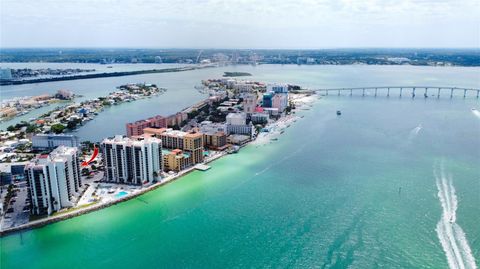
pixel 121 194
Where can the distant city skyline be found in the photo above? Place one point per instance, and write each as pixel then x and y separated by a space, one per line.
pixel 301 24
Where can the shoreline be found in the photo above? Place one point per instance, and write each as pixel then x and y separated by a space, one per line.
pixel 101 75
pixel 299 99
pixel 96 207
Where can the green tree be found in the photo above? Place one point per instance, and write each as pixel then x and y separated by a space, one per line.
pixel 57 128
pixel 11 128
pixel 31 128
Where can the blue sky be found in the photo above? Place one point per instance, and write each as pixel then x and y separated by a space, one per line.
pixel 240 24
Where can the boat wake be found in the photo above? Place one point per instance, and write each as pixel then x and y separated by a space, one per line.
pixel 476 113
pixel 451 236
pixel 414 132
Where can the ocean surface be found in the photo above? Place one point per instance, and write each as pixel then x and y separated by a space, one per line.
pixel 391 183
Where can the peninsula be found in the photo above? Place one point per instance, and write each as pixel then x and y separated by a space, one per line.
pixel 234 114
pixel 100 75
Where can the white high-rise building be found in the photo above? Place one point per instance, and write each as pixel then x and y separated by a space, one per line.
pixel 132 161
pixel 236 123
pixel 54 180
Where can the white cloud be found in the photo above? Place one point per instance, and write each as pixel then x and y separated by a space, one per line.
pixel 242 23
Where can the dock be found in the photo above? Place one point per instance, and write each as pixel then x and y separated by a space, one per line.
pixel 201 167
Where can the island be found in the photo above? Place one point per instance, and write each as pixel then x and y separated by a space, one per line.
pixel 236 74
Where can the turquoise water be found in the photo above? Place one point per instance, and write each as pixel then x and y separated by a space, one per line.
pixel 355 191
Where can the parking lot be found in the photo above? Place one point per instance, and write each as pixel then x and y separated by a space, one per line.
pixel 17 212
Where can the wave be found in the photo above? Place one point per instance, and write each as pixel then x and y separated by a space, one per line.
pixel 453 239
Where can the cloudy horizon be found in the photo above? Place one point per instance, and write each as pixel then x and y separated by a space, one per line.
pixel 241 24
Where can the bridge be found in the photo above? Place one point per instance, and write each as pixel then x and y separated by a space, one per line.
pixel 409 90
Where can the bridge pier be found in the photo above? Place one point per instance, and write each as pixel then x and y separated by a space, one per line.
pixel 413 93
pixel 464 93
pixel 338 92
pixel 478 93
pixel 326 92
pixel 351 92
pixel 388 92
pixel 401 89
pixel 426 93
pixel 451 93
pixel 438 93
pixel 375 92
pixel 363 92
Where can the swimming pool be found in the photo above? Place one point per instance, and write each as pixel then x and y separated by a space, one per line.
pixel 121 194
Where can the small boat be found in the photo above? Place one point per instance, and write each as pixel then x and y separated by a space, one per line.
pixel 339 112
pixel 473 109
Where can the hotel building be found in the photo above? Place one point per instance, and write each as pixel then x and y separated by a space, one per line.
pixel 214 135
pixel 54 180
pixel 249 103
pixel 51 141
pixel 237 124
pixel 132 161
pixel 191 144
pixel 136 128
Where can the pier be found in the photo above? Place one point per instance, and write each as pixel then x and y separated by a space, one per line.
pixel 411 91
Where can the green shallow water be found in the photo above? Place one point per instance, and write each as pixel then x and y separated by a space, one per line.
pixel 326 195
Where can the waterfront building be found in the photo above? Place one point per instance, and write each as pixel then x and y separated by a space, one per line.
pixel 236 119
pixel 280 101
pixel 214 134
pixel 174 120
pixel 277 88
pixel 238 139
pixel 243 87
pixel 51 141
pixel 259 118
pixel 175 160
pixel 267 99
pixel 136 128
pixel 237 124
pixel 132 161
pixel 216 140
pixel 54 180
pixel 190 143
pixel 249 103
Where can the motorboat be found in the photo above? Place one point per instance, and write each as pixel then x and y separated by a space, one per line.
pixel 339 112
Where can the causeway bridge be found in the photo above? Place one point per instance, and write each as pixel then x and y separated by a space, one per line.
pixel 411 91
